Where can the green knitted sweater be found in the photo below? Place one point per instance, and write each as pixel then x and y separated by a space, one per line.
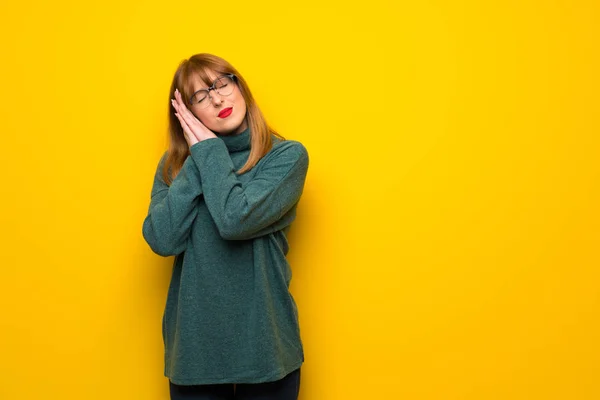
pixel 229 316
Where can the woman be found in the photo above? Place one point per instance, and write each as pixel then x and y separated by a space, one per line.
pixel 223 198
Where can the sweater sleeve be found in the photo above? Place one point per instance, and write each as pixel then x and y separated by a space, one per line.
pixel 254 208
pixel 172 209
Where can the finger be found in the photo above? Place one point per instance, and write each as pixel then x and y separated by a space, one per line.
pixel 175 105
pixel 186 129
pixel 187 116
pixel 179 105
pixel 183 126
pixel 184 111
pixel 190 119
pixel 193 123
pixel 178 98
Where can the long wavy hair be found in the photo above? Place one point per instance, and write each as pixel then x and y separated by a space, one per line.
pixel 196 65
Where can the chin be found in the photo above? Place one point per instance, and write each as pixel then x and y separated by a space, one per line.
pixel 227 131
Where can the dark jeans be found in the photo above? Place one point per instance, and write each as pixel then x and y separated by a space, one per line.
pixel 287 388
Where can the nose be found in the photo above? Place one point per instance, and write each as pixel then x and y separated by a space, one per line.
pixel 215 98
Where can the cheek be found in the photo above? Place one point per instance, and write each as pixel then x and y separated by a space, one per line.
pixel 241 102
pixel 239 99
pixel 203 117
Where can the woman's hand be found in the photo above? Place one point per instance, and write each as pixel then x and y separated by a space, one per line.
pixel 194 130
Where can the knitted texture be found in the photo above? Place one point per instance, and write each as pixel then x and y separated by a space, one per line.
pixel 229 316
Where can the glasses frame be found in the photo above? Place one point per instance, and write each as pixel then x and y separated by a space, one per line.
pixel 233 77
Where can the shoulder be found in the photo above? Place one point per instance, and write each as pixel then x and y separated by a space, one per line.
pixel 285 156
pixel 163 158
pixel 161 165
pixel 161 161
pixel 288 148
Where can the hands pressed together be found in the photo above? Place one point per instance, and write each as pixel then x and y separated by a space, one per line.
pixel 194 130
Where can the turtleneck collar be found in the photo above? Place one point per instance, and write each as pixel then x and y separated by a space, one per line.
pixel 238 142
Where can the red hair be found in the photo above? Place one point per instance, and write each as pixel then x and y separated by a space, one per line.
pixel 197 65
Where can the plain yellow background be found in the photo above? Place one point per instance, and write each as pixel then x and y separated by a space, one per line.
pixel 447 242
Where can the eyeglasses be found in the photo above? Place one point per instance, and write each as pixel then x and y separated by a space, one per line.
pixel 223 85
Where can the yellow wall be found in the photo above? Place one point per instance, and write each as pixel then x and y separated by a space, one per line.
pixel 447 244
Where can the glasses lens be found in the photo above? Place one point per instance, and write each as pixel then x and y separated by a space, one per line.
pixel 200 98
pixel 223 86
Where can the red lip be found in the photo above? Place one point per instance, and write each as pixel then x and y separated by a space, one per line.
pixel 225 112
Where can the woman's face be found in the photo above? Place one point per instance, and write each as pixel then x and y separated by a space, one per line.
pixel 208 114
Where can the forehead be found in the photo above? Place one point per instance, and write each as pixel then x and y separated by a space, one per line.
pixel 198 83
